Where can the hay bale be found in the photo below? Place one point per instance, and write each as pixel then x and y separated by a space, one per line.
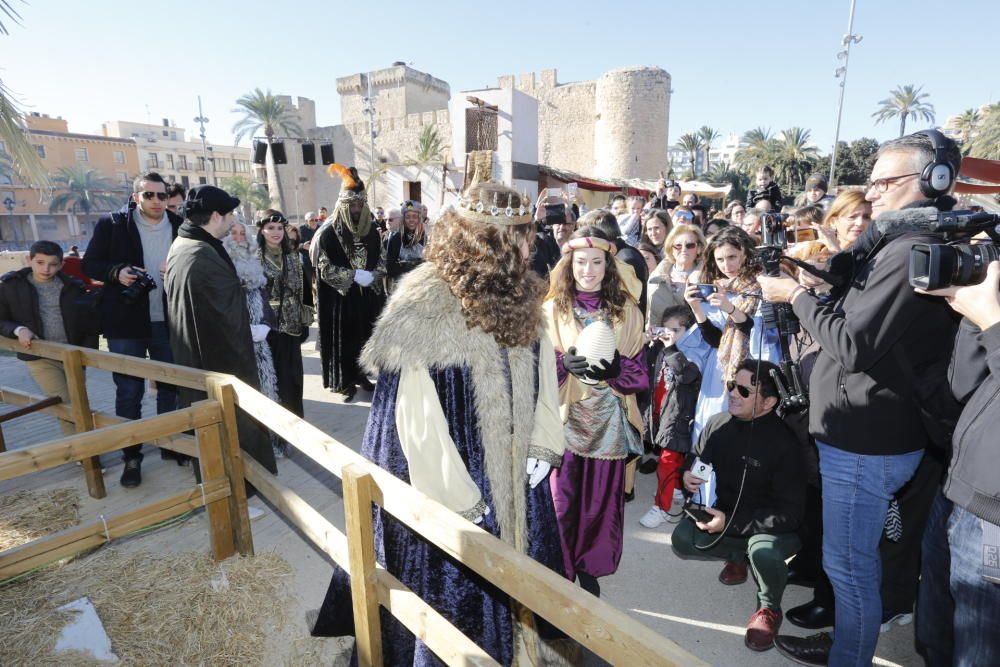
pixel 28 515
pixel 158 609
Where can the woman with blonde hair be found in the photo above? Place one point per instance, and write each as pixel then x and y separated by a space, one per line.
pixel 466 410
pixel 603 425
pixel 683 249
pixel 849 215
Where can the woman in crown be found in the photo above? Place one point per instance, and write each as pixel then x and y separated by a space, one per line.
pixel 466 409
pixel 590 287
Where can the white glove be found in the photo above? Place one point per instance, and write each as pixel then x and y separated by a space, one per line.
pixel 363 278
pixel 479 519
pixel 537 471
pixel 259 332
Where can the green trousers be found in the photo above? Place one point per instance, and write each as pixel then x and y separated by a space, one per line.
pixel 767 555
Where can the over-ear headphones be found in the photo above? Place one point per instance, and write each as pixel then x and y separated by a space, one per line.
pixel 939 175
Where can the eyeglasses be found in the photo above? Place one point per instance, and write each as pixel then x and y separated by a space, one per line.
pixel 162 196
pixel 742 389
pixel 685 246
pixel 881 185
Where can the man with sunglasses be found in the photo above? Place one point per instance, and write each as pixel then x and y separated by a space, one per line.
pixel 866 411
pixel 760 489
pixel 135 239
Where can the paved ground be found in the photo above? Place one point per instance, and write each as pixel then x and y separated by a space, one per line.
pixel 679 599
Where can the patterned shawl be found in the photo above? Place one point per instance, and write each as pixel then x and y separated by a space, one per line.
pixel 735 345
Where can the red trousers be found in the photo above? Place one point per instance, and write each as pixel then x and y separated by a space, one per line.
pixel 668 478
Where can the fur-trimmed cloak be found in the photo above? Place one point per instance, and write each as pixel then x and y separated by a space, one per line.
pixel 488 395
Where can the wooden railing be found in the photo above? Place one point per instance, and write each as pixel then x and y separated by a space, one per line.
pixel 609 633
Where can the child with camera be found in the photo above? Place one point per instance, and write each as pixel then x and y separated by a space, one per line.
pixel 675 381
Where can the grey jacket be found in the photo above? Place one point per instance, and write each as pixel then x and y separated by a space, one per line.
pixel 972 481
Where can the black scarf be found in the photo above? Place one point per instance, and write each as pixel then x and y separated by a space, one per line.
pixel 189 230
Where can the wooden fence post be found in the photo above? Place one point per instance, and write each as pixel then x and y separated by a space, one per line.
pixel 76 380
pixel 219 519
pixel 222 391
pixel 361 556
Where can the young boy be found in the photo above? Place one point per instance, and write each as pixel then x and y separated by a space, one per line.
pixel 766 189
pixel 675 385
pixel 41 301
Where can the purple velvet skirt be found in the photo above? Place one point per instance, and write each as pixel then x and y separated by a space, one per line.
pixel 589 499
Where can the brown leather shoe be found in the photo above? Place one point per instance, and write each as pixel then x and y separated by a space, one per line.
pixel 734 574
pixel 762 629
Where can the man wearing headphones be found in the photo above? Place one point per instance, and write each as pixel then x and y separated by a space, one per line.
pixel 865 414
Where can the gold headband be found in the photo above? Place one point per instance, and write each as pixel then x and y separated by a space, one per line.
pixel 585 242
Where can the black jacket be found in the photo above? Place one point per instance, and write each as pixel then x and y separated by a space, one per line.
pixel 673 429
pixel 775 489
pixel 634 258
pixel 546 252
pixel 393 267
pixel 771 193
pixel 19 307
pixel 115 245
pixel 861 399
pixel 973 482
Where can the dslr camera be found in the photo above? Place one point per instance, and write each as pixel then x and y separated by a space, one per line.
pixel 958 260
pixel 144 284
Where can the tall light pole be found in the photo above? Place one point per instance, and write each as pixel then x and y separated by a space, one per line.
pixel 369 110
pixel 841 73
pixel 209 163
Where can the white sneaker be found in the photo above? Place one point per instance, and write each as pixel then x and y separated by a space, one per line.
pixel 254 512
pixel 899 619
pixel 653 518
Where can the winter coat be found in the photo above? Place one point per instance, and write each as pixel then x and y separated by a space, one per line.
pixel 115 245
pixel 771 193
pixel 19 307
pixel 974 375
pixel 676 419
pixel 634 258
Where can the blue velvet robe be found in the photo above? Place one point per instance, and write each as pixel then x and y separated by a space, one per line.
pixel 480 610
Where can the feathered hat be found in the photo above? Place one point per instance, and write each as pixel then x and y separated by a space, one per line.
pixel 353 187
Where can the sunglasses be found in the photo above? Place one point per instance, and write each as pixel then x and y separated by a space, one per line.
pixel 162 196
pixel 742 389
pixel 685 246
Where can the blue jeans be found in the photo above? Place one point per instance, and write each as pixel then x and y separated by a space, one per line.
pixel 129 390
pixel 958 611
pixel 857 490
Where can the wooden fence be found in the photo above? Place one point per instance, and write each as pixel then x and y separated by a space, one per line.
pixel 596 625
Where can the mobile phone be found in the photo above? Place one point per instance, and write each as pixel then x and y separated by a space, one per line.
pixel 806 234
pixel 707 290
pixel 698 513
pixel 657 331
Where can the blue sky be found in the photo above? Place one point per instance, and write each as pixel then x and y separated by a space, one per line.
pixel 735 65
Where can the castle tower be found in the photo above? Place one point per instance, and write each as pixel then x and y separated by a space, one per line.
pixel 633 112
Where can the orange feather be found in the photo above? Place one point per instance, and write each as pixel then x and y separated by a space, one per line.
pixel 344 173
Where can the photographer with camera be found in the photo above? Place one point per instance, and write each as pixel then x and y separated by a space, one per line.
pixel 128 252
pixel 760 490
pixel 552 217
pixel 958 610
pixel 875 335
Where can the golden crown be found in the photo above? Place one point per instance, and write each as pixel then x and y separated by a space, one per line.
pixel 493 213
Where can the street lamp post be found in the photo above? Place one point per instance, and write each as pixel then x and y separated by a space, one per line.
pixel 841 73
pixel 369 110
pixel 209 162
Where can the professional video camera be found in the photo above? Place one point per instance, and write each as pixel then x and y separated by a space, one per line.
pixel 954 262
pixel 780 316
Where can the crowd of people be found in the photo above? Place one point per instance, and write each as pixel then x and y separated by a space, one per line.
pixel 527 360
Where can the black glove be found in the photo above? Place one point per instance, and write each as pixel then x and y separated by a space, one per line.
pixel 608 370
pixel 574 363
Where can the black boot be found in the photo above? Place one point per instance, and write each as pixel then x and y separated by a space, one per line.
pixel 132 474
pixel 589 584
pixel 811 616
pixel 812 650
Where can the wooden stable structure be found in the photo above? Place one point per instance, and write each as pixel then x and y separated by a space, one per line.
pixel 609 633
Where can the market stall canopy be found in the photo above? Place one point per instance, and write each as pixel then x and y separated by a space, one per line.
pixel 979 169
pixel 631 186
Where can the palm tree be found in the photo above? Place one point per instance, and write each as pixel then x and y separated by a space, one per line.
pixel 709 135
pixel 85 191
pixel 966 125
pixel 723 173
pixel 985 142
pixel 691 143
pixel 24 161
pixel 759 150
pixel 264 112
pixel 431 149
pixel 253 196
pixel 904 102
pixel 794 158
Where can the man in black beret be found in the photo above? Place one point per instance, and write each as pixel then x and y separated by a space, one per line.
pixel 207 308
